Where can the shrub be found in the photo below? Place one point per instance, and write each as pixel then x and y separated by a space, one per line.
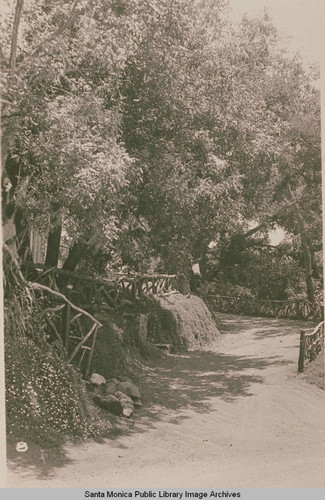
pixel 45 399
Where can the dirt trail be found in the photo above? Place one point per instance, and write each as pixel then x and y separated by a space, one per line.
pixel 236 415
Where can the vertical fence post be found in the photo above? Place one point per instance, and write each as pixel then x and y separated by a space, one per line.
pixel 134 292
pixel 66 326
pixel 139 283
pixel 91 352
pixel 301 360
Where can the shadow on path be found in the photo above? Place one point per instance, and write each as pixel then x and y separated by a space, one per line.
pixel 43 462
pixel 263 327
pixel 188 381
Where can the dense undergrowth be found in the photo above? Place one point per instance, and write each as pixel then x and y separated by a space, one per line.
pixel 45 398
pixel 120 349
pixel 122 343
pixel 46 401
pixel 117 354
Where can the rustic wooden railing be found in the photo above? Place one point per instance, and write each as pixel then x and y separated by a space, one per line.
pixel 92 293
pixel 69 324
pixel 310 345
pixel 295 308
pixel 74 328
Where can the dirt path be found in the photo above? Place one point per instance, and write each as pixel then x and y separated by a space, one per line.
pixel 234 416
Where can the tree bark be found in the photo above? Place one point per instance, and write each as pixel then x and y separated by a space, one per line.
pixel 13 49
pixel 53 246
pixel 76 253
pixel 6 138
pixel 305 247
pixel 8 220
pixel 203 264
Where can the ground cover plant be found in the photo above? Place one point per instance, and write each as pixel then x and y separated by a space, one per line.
pixel 45 399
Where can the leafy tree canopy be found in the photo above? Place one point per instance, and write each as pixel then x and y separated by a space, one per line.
pixel 147 129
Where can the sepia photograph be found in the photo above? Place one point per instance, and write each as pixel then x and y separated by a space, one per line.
pixel 162 246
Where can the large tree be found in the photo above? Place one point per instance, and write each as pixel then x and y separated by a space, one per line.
pixel 148 129
pixel 66 162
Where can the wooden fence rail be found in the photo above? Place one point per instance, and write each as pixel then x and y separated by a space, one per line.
pixel 64 322
pixel 294 308
pixel 310 345
pixel 72 326
pixel 92 293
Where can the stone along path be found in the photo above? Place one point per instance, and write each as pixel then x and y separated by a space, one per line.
pixel 234 415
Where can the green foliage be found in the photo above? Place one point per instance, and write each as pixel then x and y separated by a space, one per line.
pixel 148 129
pixel 173 122
pixel 274 277
pixel 67 159
pixel 45 400
pixel 256 269
pixel 110 358
pixel 119 346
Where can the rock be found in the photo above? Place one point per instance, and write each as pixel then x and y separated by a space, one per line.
pixel 127 412
pixel 137 402
pixel 126 402
pixel 110 388
pixel 129 389
pixel 97 379
pixel 123 397
pixel 108 399
pixel 110 403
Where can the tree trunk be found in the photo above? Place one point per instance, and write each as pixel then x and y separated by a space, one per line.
pixel 6 138
pixel 305 248
pixel 14 38
pixel 203 262
pixel 316 273
pixel 76 253
pixel 257 228
pixel 36 246
pixel 8 204
pixel 53 246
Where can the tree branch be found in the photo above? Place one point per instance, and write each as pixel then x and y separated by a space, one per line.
pixel 14 38
pixel 51 37
pixel 64 298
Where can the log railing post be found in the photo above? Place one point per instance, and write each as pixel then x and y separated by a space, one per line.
pixel 66 326
pixel 140 291
pixel 301 360
pixel 134 292
pixel 91 353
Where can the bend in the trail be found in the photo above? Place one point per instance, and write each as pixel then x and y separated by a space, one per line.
pixel 236 414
